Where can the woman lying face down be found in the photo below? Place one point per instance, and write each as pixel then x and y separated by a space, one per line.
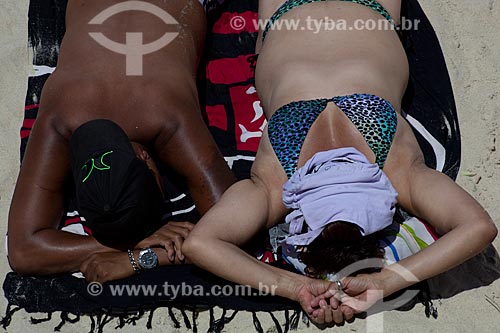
pixel 338 201
pixel 336 149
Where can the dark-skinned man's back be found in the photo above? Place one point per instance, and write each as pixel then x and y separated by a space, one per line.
pixel 156 105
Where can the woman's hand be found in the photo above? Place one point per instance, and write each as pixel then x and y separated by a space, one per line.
pixel 326 310
pixel 358 295
pixel 106 266
pixel 170 237
pixel 361 292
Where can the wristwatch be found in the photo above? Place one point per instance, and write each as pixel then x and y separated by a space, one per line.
pixel 147 259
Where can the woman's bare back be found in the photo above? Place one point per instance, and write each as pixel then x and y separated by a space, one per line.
pixel 303 65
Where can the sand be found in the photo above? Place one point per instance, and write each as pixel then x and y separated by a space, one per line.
pixel 469 31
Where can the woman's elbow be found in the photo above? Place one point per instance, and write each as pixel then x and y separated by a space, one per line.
pixel 491 231
pixel 486 231
pixel 193 245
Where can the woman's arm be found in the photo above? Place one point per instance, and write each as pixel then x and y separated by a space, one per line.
pixel 214 244
pixel 246 208
pixel 466 226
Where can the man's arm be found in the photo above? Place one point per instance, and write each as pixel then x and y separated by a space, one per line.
pixel 35 246
pixel 191 151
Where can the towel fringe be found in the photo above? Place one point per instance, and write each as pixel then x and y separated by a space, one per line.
pixel 173 318
pixel 5 322
pixel 74 320
pixel 211 326
pixel 186 319
pixel 231 317
pixel 99 320
pixel 430 310
pixel 149 324
pixel 287 321
pixel 426 300
pixel 294 320
pixel 121 322
pixel 92 324
pixel 132 319
pixel 305 319
pixel 64 318
pixel 219 324
pixel 106 319
pixel 256 323
pixel 276 323
pixel 194 317
pixel 35 321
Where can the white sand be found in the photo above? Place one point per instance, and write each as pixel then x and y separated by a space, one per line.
pixel 469 31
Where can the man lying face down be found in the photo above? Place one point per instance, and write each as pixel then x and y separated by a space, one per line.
pixel 118 189
pixel 98 126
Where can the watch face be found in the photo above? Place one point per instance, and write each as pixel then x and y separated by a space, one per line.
pixel 148 259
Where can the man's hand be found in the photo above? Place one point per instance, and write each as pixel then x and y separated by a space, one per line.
pixel 170 237
pixel 106 266
pixel 326 310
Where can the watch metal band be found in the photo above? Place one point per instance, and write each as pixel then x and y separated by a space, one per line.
pixel 132 261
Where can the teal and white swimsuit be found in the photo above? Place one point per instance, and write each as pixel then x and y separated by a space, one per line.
pixel 374 117
pixel 291 4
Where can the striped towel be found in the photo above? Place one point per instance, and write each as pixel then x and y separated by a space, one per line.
pixel 403 240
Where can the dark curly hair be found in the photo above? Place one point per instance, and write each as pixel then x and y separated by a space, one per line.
pixel 339 245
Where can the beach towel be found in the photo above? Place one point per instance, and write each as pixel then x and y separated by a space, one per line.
pixel 235 118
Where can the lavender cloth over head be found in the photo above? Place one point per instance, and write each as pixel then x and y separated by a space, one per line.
pixel 337 185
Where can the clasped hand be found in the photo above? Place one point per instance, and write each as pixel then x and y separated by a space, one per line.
pixel 169 238
pixel 113 265
pixel 326 304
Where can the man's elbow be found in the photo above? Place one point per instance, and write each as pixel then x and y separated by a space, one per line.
pixel 24 257
pixel 19 261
